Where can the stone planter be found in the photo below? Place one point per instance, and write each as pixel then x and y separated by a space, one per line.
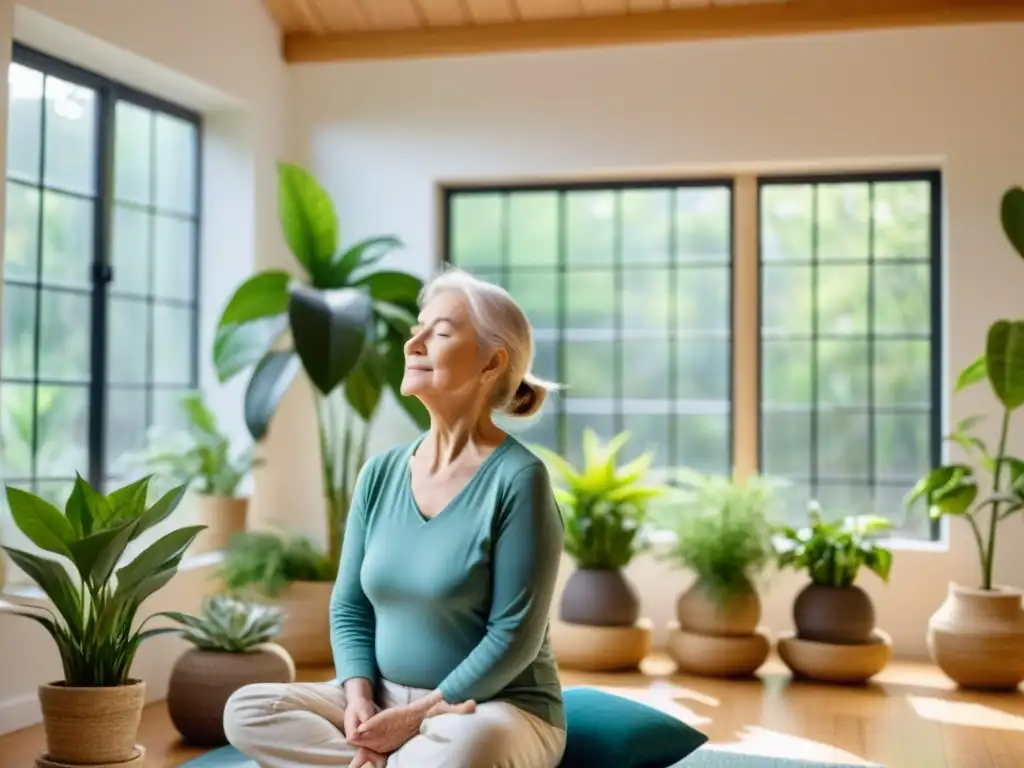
pixel 92 726
pixel 976 637
pixel 306 634
pixel 834 615
pixel 223 516
pixel 599 597
pixel 202 681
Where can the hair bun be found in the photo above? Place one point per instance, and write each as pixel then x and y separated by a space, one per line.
pixel 529 396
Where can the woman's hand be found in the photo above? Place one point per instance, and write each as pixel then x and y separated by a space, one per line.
pixel 358 710
pixel 388 730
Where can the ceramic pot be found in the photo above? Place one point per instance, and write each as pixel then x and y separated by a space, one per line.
pixel 202 681
pixel 599 597
pixel 306 633
pixel 977 637
pixel 700 610
pixel 223 517
pixel 92 726
pixel 834 615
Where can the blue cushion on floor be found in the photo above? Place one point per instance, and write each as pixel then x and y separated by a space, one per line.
pixel 605 729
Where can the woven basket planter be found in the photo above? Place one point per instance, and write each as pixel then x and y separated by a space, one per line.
pixel 92 726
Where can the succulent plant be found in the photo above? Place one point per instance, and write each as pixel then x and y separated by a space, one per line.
pixel 230 624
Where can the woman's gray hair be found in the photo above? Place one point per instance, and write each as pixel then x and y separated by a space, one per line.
pixel 500 323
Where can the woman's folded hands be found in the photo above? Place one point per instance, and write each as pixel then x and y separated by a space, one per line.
pixel 378 734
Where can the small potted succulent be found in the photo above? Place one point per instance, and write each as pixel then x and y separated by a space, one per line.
pixel 832 608
pixel 232 641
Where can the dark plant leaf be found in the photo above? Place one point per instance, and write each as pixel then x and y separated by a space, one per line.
pixel 398 288
pixel 51 577
pixel 359 257
pixel 95 556
pixel 1011 213
pixel 365 384
pixel 236 347
pixel 40 521
pixel 330 330
pixel 308 219
pixel 263 295
pixel 156 557
pixel 271 379
pixel 1004 352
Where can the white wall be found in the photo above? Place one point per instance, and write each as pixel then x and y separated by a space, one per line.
pixel 382 135
pixel 221 58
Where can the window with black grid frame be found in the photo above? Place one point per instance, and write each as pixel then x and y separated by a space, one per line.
pixel 629 290
pixel 850 341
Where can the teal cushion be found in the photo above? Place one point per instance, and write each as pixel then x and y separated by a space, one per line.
pixel 605 729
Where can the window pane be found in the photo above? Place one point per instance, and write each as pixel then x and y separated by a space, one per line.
pixel 67 239
pixel 590 369
pixel 133 153
pixel 590 299
pixel 646 368
pixel 646 226
pixel 65 343
pixel 477 222
pixel 647 299
pixel 175 165
pixel 24 122
pixel 703 441
pixel 704 370
pixel 536 290
pixel 70 137
pixel 21 232
pixel 126 426
pixel 17 408
pixel 130 246
pixel 590 227
pixel 19 332
pixel 533 229
pixel 127 341
pixel 847 340
pixel 173 345
pixel 174 254
pixel 703 224
pixel 704 299
pixel 62 440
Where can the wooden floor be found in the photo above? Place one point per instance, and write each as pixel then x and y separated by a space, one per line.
pixel 911 717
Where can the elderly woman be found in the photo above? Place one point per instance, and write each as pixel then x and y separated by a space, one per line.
pixel 439 618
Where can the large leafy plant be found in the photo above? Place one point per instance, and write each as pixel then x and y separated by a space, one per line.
pixel 604 505
pixel 267 562
pixel 832 553
pixel 94 624
pixel 955 489
pixel 344 322
pixel 722 527
pixel 200 456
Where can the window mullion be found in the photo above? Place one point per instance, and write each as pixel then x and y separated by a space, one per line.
pixel 746 321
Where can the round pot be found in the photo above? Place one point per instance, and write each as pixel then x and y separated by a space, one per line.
pixel 977 637
pixel 306 633
pixel 92 725
pixel 835 615
pixel 599 597
pixel 699 610
pixel 201 682
pixel 223 517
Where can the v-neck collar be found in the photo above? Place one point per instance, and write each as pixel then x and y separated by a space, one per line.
pixel 443 512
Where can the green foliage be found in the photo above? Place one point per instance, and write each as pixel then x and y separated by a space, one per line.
pixel 95 612
pixel 604 506
pixel 833 553
pixel 268 562
pixel 722 528
pixel 347 321
pixel 230 624
pixel 953 489
pixel 200 456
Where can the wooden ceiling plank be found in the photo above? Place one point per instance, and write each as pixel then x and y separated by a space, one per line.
pixel 311 13
pixel 492 11
pixel 391 14
pixel 646 6
pixel 605 7
pixel 705 23
pixel 442 13
pixel 549 9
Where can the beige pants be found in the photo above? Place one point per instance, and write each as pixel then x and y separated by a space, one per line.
pixel 301 725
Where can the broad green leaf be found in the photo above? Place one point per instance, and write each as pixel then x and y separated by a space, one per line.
pixel 129 500
pixel 269 383
pixel 954 500
pixel 262 295
pixel 40 521
pixel 96 555
pixel 330 330
pixel 363 254
pixel 161 509
pixel 1011 214
pixel 236 347
pixel 201 417
pixel 938 478
pixel 1004 352
pixel 55 582
pixel 76 510
pixel 394 287
pixel 155 557
pixel 972 374
pixel 365 384
pixel 308 219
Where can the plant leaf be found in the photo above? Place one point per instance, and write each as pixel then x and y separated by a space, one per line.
pixel 972 374
pixel 271 379
pixel 161 509
pixel 96 555
pixel 236 347
pixel 263 295
pixel 55 582
pixel 363 254
pixel 364 386
pixel 1005 354
pixel 1011 214
pixel 40 521
pixel 399 288
pixel 308 220
pixel 156 557
pixel 330 330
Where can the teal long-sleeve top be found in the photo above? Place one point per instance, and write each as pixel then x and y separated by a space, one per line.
pixel 459 602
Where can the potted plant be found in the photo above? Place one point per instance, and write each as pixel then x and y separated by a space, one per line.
pixel 723 535
pixel 201 456
pixel 232 646
pixel 286 571
pixel 344 322
pixel 976 637
pixel 831 608
pixel 604 508
pixel 92 715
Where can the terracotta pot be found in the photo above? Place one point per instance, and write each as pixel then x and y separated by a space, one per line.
pixel 977 637
pixel 92 725
pixel 202 681
pixel 834 615
pixel 306 633
pixel 599 597
pixel 224 517
pixel 699 610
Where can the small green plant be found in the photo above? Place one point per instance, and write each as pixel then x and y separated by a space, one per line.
pixel 94 624
pixel 200 456
pixel 953 490
pixel 604 506
pixel 267 562
pixel 230 624
pixel 833 553
pixel 722 529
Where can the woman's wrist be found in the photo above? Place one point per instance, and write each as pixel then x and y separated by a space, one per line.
pixel 358 688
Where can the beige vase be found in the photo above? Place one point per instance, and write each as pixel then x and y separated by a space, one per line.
pixel 306 633
pixel 223 516
pixel 202 681
pixel 977 637
pixel 698 611
pixel 92 726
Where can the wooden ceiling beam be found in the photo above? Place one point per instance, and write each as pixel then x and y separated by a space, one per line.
pixel 795 17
